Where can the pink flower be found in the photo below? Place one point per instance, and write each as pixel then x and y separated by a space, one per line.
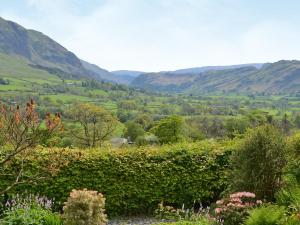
pixel 242 194
pixel 236 200
pixel 219 202
pixel 218 210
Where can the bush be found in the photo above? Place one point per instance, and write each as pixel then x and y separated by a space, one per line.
pixel 85 208
pixel 234 210
pixel 33 210
pixel 266 215
pixel 184 215
pixel 32 216
pixel 135 181
pixel 258 162
pixel 290 198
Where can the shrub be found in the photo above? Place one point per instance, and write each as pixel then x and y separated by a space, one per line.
pixel 258 162
pixel 32 216
pixel 170 213
pixel 266 215
pixel 33 210
pixel 234 210
pixel 85 208
pixel 136 180
pixel 290 198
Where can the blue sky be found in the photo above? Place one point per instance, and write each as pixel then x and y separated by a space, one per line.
pixel 154 35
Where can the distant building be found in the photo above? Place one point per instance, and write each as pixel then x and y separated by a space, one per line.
pixel 118 142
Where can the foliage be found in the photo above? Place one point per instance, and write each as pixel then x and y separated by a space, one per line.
pixel 21 130
pixel 290 198
pixel 97 124
pixel 267 215
pixel 169 129
pixel 169 212
pixel 185 215
pixel 258 162
pixel 289 195
pixel 292 169
pixel 234 210
pixel 133 130
pixel 135 180
pixel 33 210
pixel 32 216
pixel 85 207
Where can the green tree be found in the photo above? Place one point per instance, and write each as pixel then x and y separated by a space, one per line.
pixel 133 130
pixel 169 129
pixel 235 127
pixel 285 124
pixel 297 121
pixel 96 124
pixel 258 162
pixel 144 120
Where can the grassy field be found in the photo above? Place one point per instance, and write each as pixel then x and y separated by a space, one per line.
pixel 26 81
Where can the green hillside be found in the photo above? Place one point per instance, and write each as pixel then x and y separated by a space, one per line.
pixel 46 54
pixel 274 78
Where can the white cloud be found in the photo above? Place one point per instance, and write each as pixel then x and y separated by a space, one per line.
pixel 161 34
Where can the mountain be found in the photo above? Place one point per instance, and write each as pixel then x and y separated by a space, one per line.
pixel 279 77
pixel 37 48
pixel 127 75
pixel 197 70
pixel 43 53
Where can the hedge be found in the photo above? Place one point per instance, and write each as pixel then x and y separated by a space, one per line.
pixel 135 180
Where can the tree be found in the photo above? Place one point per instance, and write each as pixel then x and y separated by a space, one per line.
pixel 285 124
pixel 169 129
pixel 144 120
pixel 297 121
pixel 133 130
pixel 21 130
pixel 235 127
pixel 96 124
pixel 258 162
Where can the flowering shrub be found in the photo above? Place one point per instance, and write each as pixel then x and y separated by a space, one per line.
pixel 29 201
pixel 85 208
pixel 234 210
pixel 33 210
pixel 169 212
pixel 185 216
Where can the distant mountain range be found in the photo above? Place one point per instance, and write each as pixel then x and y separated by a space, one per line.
pixel 278 77
pixel 44 54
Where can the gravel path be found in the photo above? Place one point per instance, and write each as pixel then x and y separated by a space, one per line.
pixel 135 221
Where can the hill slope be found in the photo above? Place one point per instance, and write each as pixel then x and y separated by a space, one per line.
pixel 276 78
pixel 45 54
pixel 37 48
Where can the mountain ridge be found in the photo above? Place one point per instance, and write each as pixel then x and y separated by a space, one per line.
pixel 279 77
pixel 45 53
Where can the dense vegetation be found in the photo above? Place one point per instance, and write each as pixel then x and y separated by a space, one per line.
pixel 74 147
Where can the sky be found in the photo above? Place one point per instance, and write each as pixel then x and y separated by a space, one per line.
pixel 156 35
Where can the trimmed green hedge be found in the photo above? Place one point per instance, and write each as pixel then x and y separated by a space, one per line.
pixel 135 180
